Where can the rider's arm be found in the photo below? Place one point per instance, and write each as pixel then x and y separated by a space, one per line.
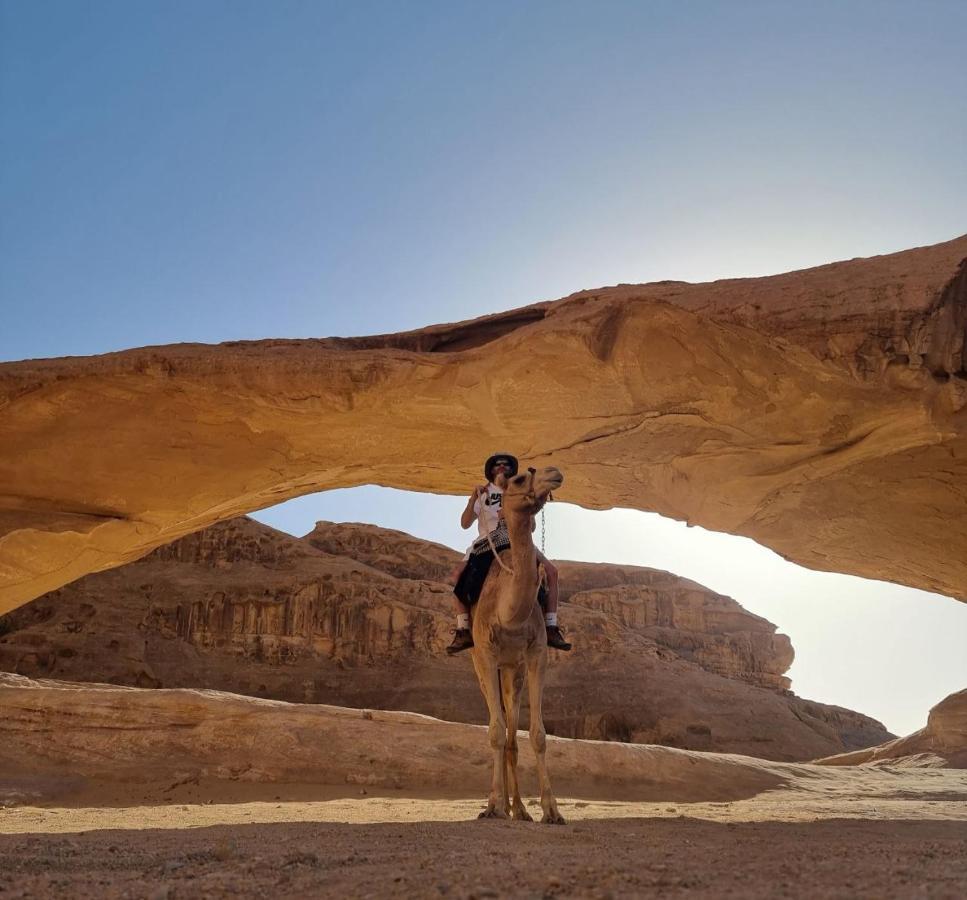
pixel 468 516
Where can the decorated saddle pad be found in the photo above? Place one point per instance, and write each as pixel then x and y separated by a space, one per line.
pixel 499 537
pixel 471 581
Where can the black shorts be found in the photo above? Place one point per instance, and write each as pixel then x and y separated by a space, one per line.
pixel 471 581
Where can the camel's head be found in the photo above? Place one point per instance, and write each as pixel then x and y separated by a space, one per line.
pixel 528 491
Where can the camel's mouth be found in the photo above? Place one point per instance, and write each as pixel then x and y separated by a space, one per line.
pixel 530 496
pixel 547 480
pixel 545 483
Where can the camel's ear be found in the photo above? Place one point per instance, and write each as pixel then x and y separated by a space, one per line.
pixel 501 481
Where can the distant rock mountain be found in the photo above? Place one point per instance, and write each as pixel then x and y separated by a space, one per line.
pixel 356 615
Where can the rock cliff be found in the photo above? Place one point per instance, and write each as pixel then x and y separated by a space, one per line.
pixel 697 624
pixel 355 615
pixel 822 413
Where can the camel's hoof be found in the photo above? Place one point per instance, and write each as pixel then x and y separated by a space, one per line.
pixel 522 815
pixel 492 812
pixel 553 818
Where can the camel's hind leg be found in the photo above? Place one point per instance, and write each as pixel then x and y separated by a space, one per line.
pixel 490 686
pixel 536 666
pixel 512 686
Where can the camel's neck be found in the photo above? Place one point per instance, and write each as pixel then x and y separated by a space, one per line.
pixel 517 604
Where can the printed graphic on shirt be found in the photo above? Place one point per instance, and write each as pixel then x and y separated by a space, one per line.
pixel 488 508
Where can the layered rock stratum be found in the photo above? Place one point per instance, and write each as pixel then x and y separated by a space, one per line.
pixel 355 615
pixel 820 412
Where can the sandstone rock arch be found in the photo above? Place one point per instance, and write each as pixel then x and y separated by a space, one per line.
pixel 820 412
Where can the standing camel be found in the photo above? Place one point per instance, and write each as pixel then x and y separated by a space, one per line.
pixel 510 638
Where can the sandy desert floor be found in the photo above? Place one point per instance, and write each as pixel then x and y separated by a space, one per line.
pixel 110 792
pixel 907 840
pixel 589 857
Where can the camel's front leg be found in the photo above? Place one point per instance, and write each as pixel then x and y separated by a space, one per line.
pixel 536 666
pixel 490 685
pixel 512 686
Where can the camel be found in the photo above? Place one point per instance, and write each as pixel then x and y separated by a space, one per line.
pixel 510 638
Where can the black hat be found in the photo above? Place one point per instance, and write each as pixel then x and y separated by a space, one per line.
pixel 501 457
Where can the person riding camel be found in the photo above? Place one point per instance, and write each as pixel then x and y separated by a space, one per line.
pixel 484 507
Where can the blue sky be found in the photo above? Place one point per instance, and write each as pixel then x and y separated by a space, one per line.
pixel 208 171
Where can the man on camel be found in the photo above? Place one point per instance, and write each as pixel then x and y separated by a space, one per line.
pixel 484 507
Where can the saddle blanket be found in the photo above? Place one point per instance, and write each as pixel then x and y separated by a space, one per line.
pixel 471 580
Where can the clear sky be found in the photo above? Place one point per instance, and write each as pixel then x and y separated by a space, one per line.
pixel 190 170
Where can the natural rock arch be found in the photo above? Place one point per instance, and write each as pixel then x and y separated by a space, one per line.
pixel 820 412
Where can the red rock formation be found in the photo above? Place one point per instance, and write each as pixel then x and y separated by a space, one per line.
pixel 821 413
pixel 707 628
pixel 393 552
pixel 242 607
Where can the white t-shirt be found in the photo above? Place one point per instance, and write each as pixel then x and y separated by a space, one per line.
pixel 487 509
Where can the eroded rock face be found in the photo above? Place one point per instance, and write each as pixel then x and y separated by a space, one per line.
pixel 822 413
pixel 394 552
pixel 356 615
pixel 943 743
pixel 696 623
pixel 64 734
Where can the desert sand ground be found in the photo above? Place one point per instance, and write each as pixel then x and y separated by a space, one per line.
pixel 120 792
pixel 861 832
pixel 612 857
